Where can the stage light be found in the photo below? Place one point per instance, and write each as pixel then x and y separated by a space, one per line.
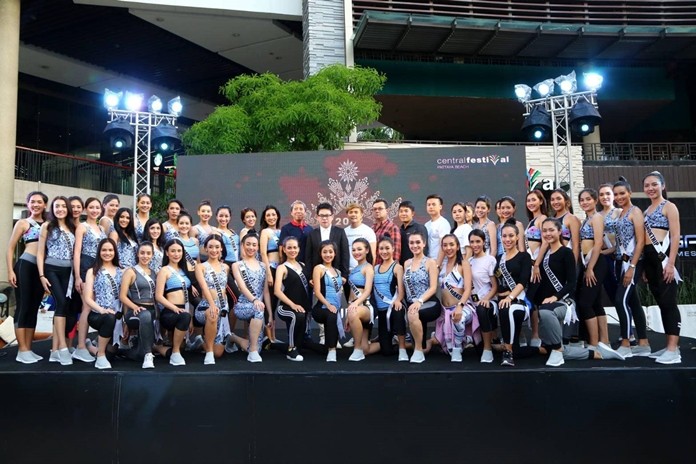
pixel 154 104
pixel 593 80
pixel 174 106
pixel 165 138
pixel 537 125
pixel 134 101
pixel 157 160
pixel 120 134
pixel 583 118
pixel 568 84
pixel 523 92
pixel 544 88
pixel 112 99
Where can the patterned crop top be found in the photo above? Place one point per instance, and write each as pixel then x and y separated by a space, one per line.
pixel 533 233
pixel 417 282
pixel 274 241
pixel 210 277
pixel 656 219
pixel 90 240
pixel 60 244
pixel 106 288
pixel 565 231
pixel 625 232
pixel 32 234
pixel 586 230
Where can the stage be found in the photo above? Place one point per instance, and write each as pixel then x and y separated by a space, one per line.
pixel 375 411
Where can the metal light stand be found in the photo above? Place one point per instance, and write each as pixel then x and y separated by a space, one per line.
pixel 143 122
pixel 559 107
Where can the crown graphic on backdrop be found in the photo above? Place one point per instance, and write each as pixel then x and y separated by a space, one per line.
pixel 350 188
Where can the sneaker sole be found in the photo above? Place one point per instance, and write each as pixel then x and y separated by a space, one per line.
pixel 640 355
pixel 671 361
pixel 294 359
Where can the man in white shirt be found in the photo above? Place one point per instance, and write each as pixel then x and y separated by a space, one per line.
pixel 437 226
pixel 357 229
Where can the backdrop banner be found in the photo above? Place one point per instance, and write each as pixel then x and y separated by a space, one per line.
pixel 457 174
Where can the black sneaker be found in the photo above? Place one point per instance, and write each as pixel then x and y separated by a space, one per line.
pixel 507 359
pixel 294 355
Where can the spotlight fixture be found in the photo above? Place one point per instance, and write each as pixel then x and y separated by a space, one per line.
pixel 537 125
pixel 120 134
pixel 112 99
pixel 165 139
pixel 544 88
pixel 593 80
pixel 154 104
pixel 134 101
pixel 583 118
pixel 157 159
pixel 174 106
pixel 568 84
pixel 523 92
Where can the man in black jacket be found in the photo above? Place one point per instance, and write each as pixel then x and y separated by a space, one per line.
pixel 327 231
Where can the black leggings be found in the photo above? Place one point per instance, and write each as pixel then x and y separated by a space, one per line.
pixel 103 323
pixel 486 316
pixel 628 305
pixel 171 320
pixel 664 293
pixel 271 312
pixel 428 315
pixel 511 319
pixel 397 324
pixel 29 294
pixel 295 322
pixel 326 317
pixel 589 299
pixel 59 278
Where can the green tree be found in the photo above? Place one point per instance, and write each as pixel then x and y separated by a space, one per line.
pixel 267 114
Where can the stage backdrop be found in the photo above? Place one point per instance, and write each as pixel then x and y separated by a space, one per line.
pixel 341 177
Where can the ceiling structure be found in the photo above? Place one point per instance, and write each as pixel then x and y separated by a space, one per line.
pixel 192 51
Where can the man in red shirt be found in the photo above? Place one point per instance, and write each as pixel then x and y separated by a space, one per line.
pixel 384 226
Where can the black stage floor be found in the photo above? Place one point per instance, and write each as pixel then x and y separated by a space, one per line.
pixel 274 362
pixel 375 411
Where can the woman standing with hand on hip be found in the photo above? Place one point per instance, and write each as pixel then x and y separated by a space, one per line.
pixel 24 275
pixel 662 235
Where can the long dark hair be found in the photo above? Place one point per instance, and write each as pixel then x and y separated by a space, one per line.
pixel 128 233
pixel 167 246
pixel 218 238
pixel 146 232
pixel 370 259
pixel 99 262
pixel 264 224
pixel 53 220
pixel 542 208
pixel 480 234
pixel 459 258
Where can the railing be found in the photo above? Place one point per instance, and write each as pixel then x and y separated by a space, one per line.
pixel 609 12
pixel 640 152
pixel 72 171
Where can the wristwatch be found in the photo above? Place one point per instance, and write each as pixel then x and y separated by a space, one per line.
pixel 461 303
pixel 420 300
pixel 633 266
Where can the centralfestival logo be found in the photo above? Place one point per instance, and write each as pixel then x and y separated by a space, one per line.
pixel 464 162
pixel 351 188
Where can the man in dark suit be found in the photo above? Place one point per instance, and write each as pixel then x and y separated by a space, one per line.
pixel 327 231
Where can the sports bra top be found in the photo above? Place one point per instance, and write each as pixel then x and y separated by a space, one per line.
pixel 533 233
pixel 231 243
pixel 656 219
pixel 357 277
pixel 384 285
pixel 90 240
pixel 60 244
pixel 565 231
pixel 274 241
pixel 173 283
pixel 586 230
pixel 416 282
pixel 190 247
pixel 32 234
pixel 142 290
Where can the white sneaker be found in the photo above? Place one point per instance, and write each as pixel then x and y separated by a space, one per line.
pixel 54 357
pixel 209 358
pixel 230 346
pixel 350 343
pixel 36 356
pixel 25 357
pixel 102 363
pixel 331 356
pixel 149 361
pixel 254 357
pixel 669 357
pixel 607 353
pixel 658 353
pixel 487 356
pixel 357 355
pixel 417 357
pixel 625 351
pixel 338 346
pixel 641 351
pixel 177 360
pixel 403 355
pixel 456 355
pixel 65 359
pixel 555 359
pixel 195 344
pixel 82 354
pixel 523 340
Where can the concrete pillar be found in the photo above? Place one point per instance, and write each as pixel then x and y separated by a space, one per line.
pixel 324 34
pixel 591 147
pixel 9 76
